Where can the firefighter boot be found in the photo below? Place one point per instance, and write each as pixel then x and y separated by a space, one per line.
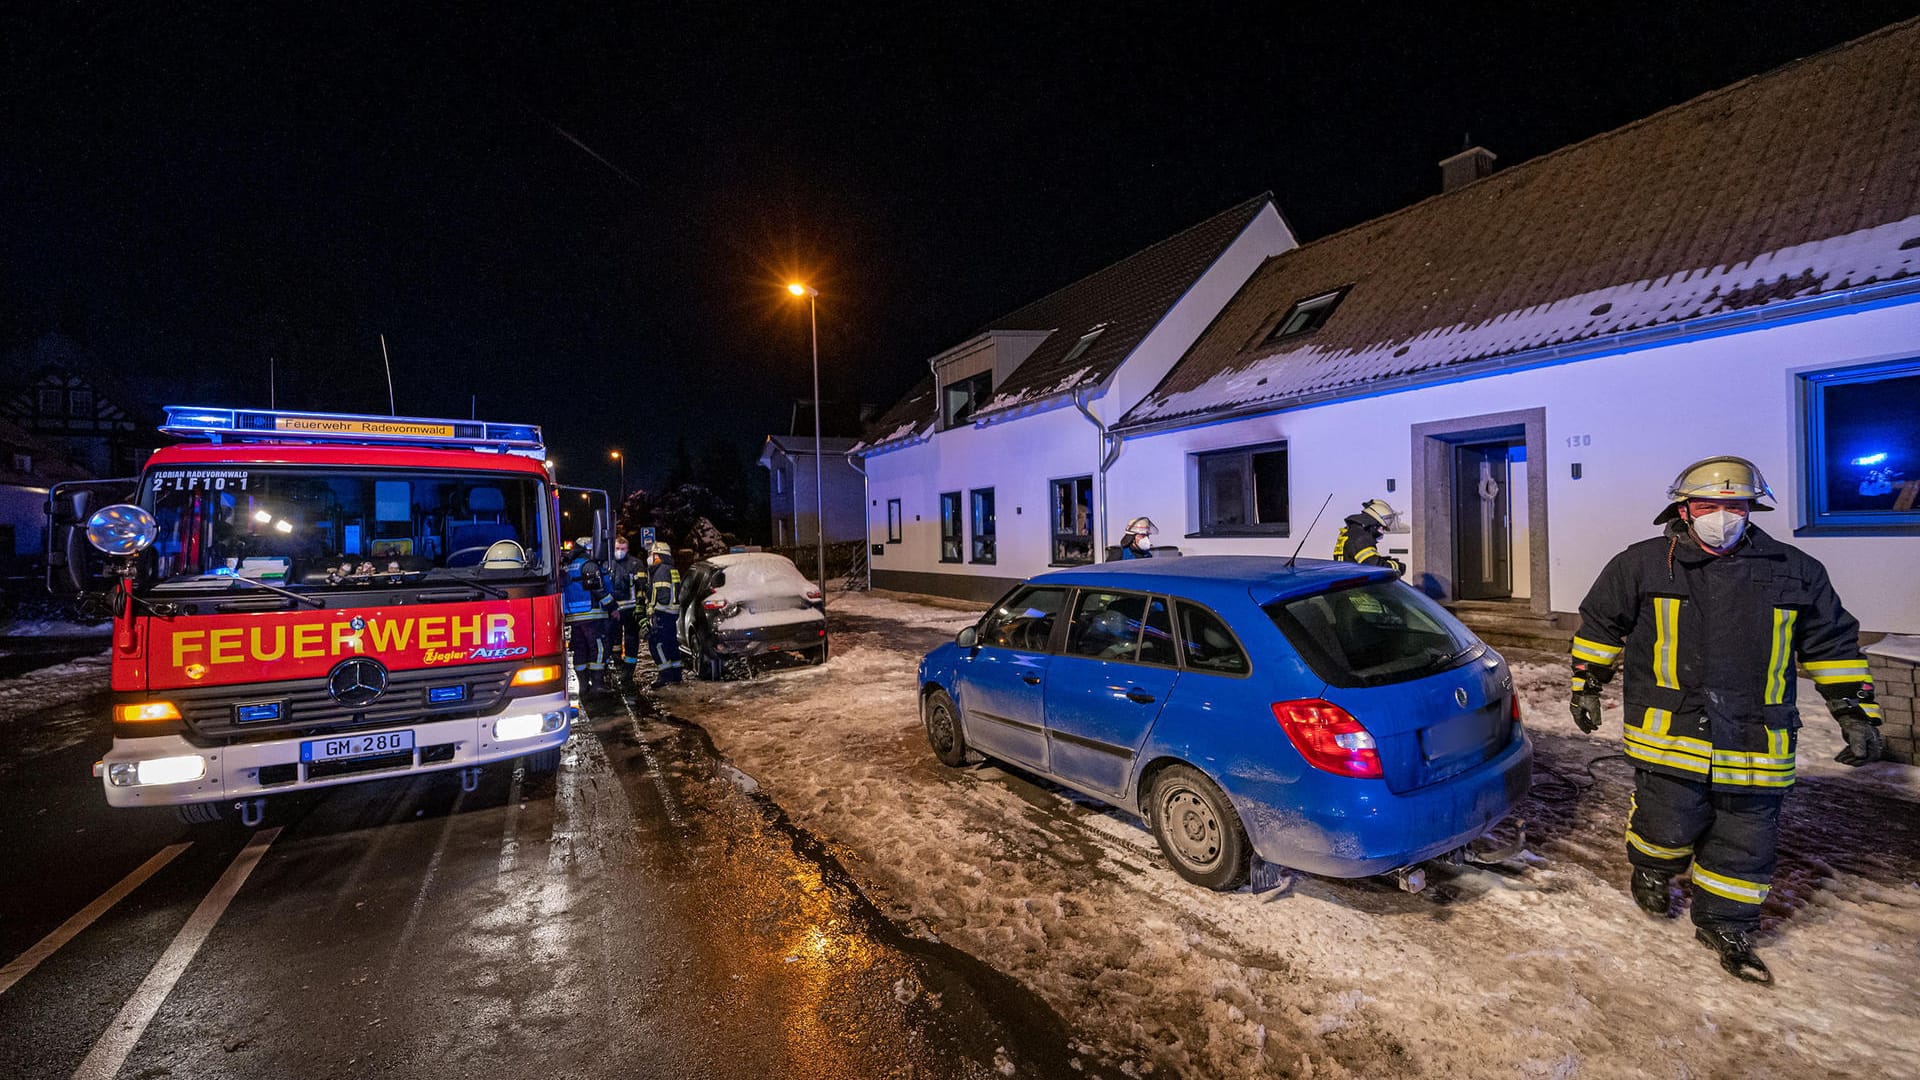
pixel 1650 891
pixel 1736 953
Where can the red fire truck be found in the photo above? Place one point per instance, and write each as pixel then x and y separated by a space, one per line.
pixel 306 599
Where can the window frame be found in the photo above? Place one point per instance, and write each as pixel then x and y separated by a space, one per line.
pixel 948 419
pixel 81 404
pixel 1064 647
pixel 991 533
pixel 951 499
pixel 58 396
pixel 1056 639
pixel 893 521
pixel 1327 302
pixel 1249 490
pixel 1812 386
pixel 1054 537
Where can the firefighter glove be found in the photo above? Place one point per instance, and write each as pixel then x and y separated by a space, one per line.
pixel 1586 709
pixel 1862 730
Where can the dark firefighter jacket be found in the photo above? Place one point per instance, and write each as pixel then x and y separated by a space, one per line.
pixel 1359 542
pixel 623 579
pixel 663 583
pixel 585 595
pixel 1709 644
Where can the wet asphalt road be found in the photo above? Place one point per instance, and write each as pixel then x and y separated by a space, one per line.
pixel 640 913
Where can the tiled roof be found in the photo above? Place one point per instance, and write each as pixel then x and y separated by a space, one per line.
pixel 1798 182
pixel 1125 300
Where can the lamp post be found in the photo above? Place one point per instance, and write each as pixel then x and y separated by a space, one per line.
pixel 621 458
pixel 819 491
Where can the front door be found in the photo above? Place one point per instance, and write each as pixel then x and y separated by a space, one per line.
pixel 1107 686
pixel 1482 540
pixel 1003 684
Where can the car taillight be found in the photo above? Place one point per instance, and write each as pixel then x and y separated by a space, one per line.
pixel 1329 738
pixel 1513 710
pixel 714 603
pixel 813 594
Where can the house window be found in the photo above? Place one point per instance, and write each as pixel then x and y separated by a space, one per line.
pixel 966 395
pixel 1863 447
pixel 50 401
pixel 1305 316
pixel 893 521
pixel 1243 492
pixel 983 539
pixel 80 403
pixel 779 481
pixel 950 539
pixel 1073 521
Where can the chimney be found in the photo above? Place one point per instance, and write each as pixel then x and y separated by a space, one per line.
pixel 1463 168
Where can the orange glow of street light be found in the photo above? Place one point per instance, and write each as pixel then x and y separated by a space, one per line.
pixel 797 289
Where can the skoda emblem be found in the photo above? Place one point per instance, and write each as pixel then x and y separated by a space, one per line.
pixel 1459 695
pixel 358 681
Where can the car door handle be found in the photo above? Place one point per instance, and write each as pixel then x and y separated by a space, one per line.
pixel 1030 678
pixel 1139 695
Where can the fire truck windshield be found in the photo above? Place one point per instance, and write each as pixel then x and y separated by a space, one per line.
pixel 338 528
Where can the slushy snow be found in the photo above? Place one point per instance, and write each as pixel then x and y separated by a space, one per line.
pixel 1543 968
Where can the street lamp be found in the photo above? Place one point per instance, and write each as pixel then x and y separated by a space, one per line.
pixel 819 491
pixel 621 458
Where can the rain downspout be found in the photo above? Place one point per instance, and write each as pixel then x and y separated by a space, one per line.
pixel 866 517
pixel 1107 452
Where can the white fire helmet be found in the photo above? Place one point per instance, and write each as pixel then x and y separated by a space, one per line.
pixel 1378 510
pixel 1142 526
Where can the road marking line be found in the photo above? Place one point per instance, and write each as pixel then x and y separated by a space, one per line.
pixel 84 918
pixel 509 836
pixel 107 1055
pixel 653 768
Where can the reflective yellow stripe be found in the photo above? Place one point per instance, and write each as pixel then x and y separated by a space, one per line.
pixel 1683 762
pixel 1658 748
pixel 1733 888
pixel 1871 708
pixel 1579 684
pixel 1364 554
pixel 1656 850
pixel 1783 620
pixel 1595 653
pixel 1838 671
pixel 1666 642
pixel 1743 759
pixel 1657 721
pixel 1679 743
pixel 1751 778
pixel 1780 743
pixel 1857 665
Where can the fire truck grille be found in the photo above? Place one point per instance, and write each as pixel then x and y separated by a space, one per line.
pixel 247 713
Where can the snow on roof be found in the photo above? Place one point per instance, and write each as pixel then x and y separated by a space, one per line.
pixel 1791 184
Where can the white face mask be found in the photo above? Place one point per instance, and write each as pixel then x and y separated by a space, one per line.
pixel 1719 530
pixel 620 553
pixel 1145 543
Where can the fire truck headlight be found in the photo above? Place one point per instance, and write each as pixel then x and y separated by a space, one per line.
pixel 167 770
pixel 509 728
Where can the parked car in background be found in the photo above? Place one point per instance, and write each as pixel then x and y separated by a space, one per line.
pixel 746 605
pixel 1321 716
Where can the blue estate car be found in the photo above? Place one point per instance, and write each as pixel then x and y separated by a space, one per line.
pixel 1323 716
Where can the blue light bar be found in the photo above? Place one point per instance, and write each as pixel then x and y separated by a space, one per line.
pixel 269 425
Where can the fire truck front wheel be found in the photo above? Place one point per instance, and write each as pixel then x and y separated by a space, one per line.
pixel 545 761
pixel 204 813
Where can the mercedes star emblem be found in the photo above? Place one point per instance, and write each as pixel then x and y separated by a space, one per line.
pixel 1459 696
pixel 357 681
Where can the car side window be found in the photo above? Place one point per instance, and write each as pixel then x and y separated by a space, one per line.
pixel 1156 639
pixel 1208 644
pixel 1106 626
pixel 1025 621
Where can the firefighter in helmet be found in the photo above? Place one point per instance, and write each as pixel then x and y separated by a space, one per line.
pixel 625 578
pixel 584 603
pixel 1359 539
pixel 1709 620
pixel 663 613
pixel 1138 542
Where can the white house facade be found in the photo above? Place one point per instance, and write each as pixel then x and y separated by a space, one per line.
pixel 994 468
pixel 1524 364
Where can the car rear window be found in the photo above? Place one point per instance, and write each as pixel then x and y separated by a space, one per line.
pixel 1373 634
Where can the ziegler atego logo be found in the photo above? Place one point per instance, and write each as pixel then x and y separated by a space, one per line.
pixel 438 639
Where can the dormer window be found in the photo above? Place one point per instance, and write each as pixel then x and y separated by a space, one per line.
pixel 963 397
pixel 1305 316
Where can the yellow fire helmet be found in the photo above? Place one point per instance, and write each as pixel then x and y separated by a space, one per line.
pixel 1724 477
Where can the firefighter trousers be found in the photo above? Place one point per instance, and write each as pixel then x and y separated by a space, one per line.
pixel 589 647
pixel 629 639
pixel 665 639
pixel 1726 837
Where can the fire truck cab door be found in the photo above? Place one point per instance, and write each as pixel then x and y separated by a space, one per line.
pixel 73 566
pixel 594 500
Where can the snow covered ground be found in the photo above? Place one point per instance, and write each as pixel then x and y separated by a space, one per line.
pixel 1546 970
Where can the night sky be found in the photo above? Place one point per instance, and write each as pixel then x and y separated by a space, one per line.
pixel 195 193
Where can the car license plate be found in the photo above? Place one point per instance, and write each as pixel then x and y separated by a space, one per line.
pixel 353 746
